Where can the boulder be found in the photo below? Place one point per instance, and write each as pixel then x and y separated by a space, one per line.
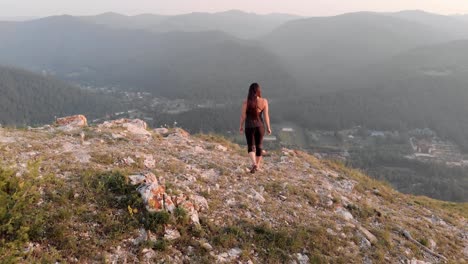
pixel 153 193
pixel 179 135
pixel 344 213
pixel 171 234
pixel 302 258
pixel 134 126
pixel 200 202
pixel 70 122
pixel 368 235
pixel 161 131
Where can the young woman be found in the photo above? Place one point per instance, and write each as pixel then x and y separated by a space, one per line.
pixel 251 115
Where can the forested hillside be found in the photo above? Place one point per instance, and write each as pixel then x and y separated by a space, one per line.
pixel 198 65
pixel 29 99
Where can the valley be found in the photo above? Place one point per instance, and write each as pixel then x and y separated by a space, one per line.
pixel 355 87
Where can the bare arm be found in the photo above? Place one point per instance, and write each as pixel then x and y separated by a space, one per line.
pixel 267 117
pixel 243 116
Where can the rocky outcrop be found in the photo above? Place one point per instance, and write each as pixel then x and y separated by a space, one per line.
pixel 71 122
pixel 134 127
pixel 156 199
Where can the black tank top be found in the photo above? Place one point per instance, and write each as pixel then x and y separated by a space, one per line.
pixel 254 122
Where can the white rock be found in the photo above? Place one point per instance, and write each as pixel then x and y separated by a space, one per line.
pixel 221 148
pixel 137 179
pixel 149 161
pixel 128 161
pixel 198 149
pixel 344 213
pixel 365 243
pixel 331 232
pixel 200 202
pixel 432 244
pixel 161 131
pixel 171 234
pixel 148 253
pixel 69 123
pixel 368 235
pixel 117 135
pixel 222 258
pixel 207 246
pixel 235 252
pixel 231 201
pixel 258 197
pixel 190 178
pixel 136 129
pixel 210 174
pixel 82 157
pixel 302 258
pixel 142 236
pixel 134 126
pixel 346 185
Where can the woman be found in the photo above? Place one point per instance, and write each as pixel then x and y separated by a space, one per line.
pixel 251 115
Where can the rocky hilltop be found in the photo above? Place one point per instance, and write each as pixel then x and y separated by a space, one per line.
pixel 120 192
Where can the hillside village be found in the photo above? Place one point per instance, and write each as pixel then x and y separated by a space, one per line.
pixel 121 192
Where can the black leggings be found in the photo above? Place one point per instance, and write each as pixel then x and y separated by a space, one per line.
pixel 254 136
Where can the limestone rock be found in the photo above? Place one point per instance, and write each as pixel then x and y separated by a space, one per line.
pixel 432 244
pixel 133 126
pixel 149 253
pixel 258 197
pixel 302 258
pixel 149 161
pixel 207 246
pixel 70 122
pixel 152 192
pixel 200 202
pixel 171 234
pixel 368 235
pixel 221 148
pixel 344 213
pixel 187 205
pixel 234 252
pixel 161 131
pixel 128 161
pixel 182 133
pixel 179 135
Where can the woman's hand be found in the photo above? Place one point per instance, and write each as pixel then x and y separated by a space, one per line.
pixel 269 131
pixel 241 130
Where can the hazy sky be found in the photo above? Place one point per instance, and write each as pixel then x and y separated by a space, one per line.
pixel 11 8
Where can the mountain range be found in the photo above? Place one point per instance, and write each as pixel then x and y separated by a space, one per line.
pixel 173 64
pixel 234 22
pixel 413 58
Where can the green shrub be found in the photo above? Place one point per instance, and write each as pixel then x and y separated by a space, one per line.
pixel 181 216
pixel 155 221
pixel 20 218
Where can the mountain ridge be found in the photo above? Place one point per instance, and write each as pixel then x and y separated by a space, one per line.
pixel 299 208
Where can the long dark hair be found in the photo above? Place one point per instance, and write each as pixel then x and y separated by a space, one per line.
pixel 254 92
